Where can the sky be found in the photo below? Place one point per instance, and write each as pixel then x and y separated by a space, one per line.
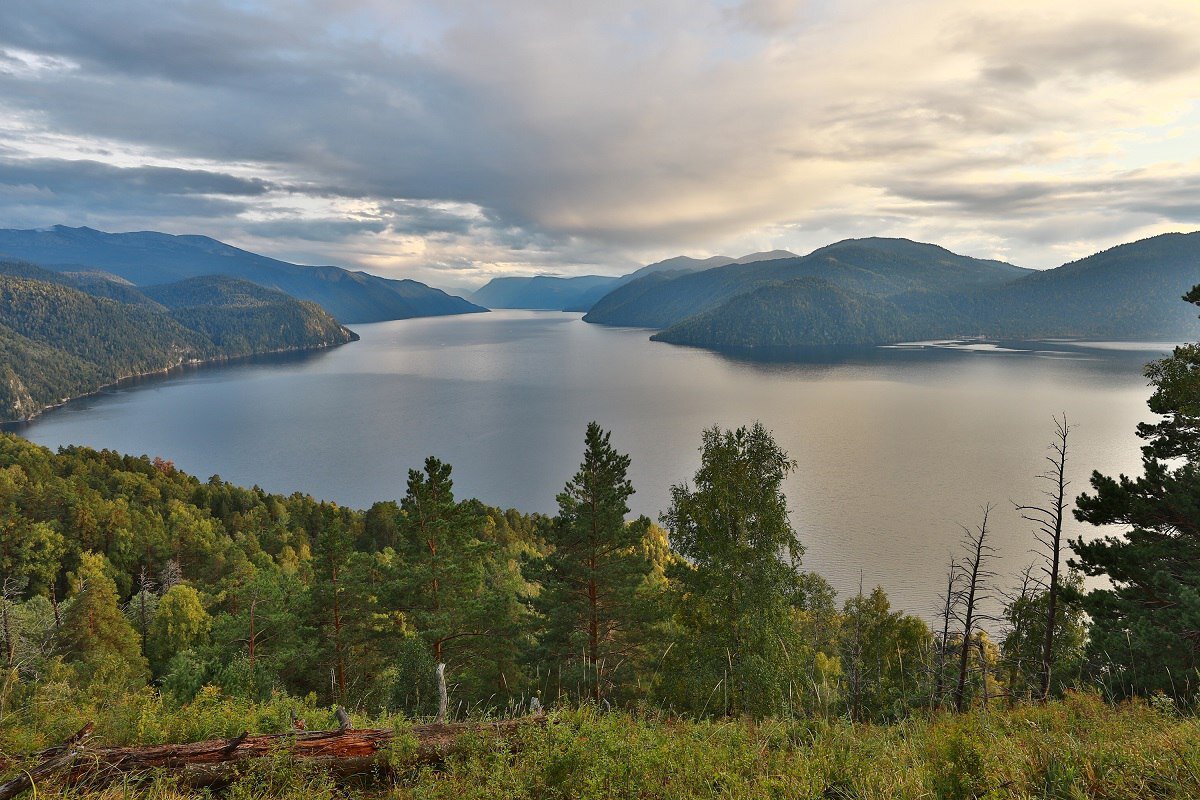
pixel 452 142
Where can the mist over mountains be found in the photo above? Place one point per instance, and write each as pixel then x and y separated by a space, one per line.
pixel 552 293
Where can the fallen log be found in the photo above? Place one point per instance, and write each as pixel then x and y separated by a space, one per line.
pixel 217 762
pixel 49 762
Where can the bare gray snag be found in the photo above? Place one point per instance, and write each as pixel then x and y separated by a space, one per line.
pixel 1049 521
pixel 946 613
pixel 977 574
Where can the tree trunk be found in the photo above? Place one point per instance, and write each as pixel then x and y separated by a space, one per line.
pixel 980 551
pixel 947 611
pixel 443 695
pixel 50 762
pixel 218 762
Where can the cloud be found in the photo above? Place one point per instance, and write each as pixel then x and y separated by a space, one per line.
pixel 420 138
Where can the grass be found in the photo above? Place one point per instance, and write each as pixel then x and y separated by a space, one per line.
pixel 1078 747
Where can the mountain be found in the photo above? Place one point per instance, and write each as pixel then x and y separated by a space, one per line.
pixel 581 293
pixel 770 255
pixel 806 312
pixel 1128 292
pixel 61 337
pixel 881 267
pixel 541 292
pixel 148 258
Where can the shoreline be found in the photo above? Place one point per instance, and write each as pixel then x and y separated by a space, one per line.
pixel 15 425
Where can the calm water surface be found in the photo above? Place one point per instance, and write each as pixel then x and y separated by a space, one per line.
pixel 896 446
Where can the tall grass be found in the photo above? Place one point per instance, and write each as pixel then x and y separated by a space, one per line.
pixel 1078 747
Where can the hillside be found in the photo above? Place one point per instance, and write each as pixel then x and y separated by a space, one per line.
pixel 147 258
pixel 61 340
pixel 881 267
pixel 917 291
pixel 1129 291
pixel 808 312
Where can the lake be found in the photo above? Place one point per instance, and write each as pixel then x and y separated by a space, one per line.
pixel 896 447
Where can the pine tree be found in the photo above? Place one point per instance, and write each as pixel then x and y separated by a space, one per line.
pixel 1145 634
pixel 95 635
pixel 441 580
pixel 595 614
pixel 333 555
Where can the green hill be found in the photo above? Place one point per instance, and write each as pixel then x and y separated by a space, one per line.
pixel 1129 291
pixel 147 258
pixel 808 312
pixel 881 267
pixel 60 340
pixel 894 289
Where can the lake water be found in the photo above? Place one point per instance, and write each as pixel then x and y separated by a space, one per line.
pixel 896 446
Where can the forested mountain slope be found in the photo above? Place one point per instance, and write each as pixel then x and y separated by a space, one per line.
pixel 61 339
pixel 881 267
pixel 147 258
pixel 895 289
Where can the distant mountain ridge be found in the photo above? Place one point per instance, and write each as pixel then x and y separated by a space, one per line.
pixel 877 291
pixel 546 292
pixel 881 267
pixel 146 258
pixel 63 336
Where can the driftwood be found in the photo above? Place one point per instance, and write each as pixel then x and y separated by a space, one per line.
pixel 219 761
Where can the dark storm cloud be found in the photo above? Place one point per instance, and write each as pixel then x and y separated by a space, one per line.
pixel 529 131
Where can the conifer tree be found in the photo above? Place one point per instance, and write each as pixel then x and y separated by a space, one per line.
pixel 333 555
pixel 1145 633
pixel 441 579
pixel 95 635
pixel 594 612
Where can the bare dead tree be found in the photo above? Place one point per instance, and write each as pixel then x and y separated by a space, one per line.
pixel 171 574
pixel 1048 518
pixel 10 591
pixel 947 614
pixel 143 612
pixel 983 669
pixel 977 577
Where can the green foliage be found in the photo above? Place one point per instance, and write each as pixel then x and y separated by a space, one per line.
pixel 595 606
pixel 883 654
pixel 1142 624
pixel 739 588
pixel 1021 649
pixel 180 623
pixel 95 634
pixel 61 337
pixel 1078 747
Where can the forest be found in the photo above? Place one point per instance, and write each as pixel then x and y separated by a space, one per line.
pixel 64 335
pixel 875 291
pixel 691 655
